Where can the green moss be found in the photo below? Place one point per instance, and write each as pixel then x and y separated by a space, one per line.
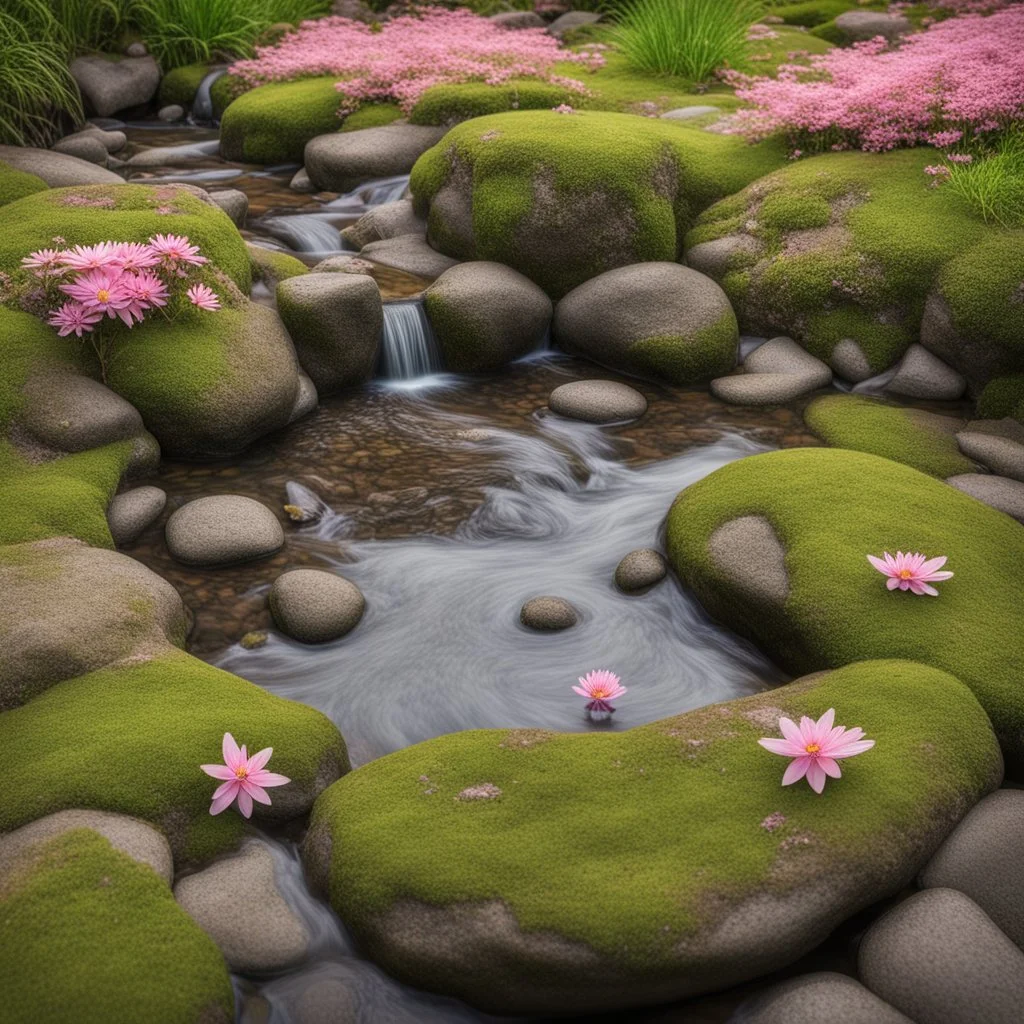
pixel 272 124
pixel 672 835
pixel 681 359
pixel 224 91
pixel 830 508
pixel 1003 396
pixel 789 211
pixel 90 934
pixel 813 12
pixel 450 104
pixel 371 115
pixel 894 432
pixel 882 343
pixel 180 85
pixel 118 719
pixel 271 267
pixel 462 338
pixel 15 184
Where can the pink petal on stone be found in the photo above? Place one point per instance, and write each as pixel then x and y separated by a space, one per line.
pixel 256 792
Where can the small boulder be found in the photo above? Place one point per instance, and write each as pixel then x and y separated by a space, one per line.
pixel 774 372
pixel 172 112
pixel 131 512
pixel 720 255
pixel 485 315
pixel 923 375
pixel 58 170
pixel 111 85
pixel 518 19
pixel 817 997
pixel 998 491
pixel 306 400
pixel 113 140
pixel 548 614
pixel 234 202
pixel 997 444
pixel 409 253
pixel 640 569
pixel 688 113
pixel 237 903
pixel 859 26
pixel 597 401
pixel 223 529
pixel 301 181
pixel 849 362
pixel 344 264
pixel 314 606
pixel 940 959
pixel 136 49
pixel 335 321
pixel 84 146
pixel 570 20
pixel 389 220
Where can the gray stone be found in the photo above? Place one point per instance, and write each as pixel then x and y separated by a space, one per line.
pixel 923 375
pixel 132 511
pixel 774 372
pixel 597 401
pixel 301 182
pixel 306 400
pixel 998 491
pixel 357 10
pixel 327 1000
pixel 570 20
pixel 84 146
pixel 109 85
pixel 485 315
pixel 335 321
pixel 389 220
pixel 410 253
pixel 344 264
pixel 183 155
pixel 548 614
pixel 234 203
pixel 656 320
pixel 342 160
pixel 223 529
pixel 688 113
pixel 314 606
pixel 824 996
pixel 58 170
pixel 172 112
pixel 136 49
pixel 984 858
pixel 640 569
pixel 997 444
pixel 113 140
pixel 236 901
pixel 750 555
pixel 858 26
pixel 849 362
pixel 138 839
pixel 939 958
pixel 518 19
pixel 716 257
pixel 784 355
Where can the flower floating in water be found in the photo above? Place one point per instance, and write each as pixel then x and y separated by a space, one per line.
pixel 911 572
pixel 244 777
pixel 203 296
pixel 815 747
pixel 600 687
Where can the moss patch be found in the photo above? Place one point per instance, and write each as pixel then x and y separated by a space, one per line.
pixel 89 934
pixel 450 104
pixel 15 184
pixel 1003 396
pixel 181 85
pixel 830 509
pixel 681 359
pixel 271 267
pixel 371 115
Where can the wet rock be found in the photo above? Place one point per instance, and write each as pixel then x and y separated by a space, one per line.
pixel 172 112
pixel 140 840
pixel 335 321
pixel 485 315
pixel 849 362
pixel 410 253
pixel 57 169
pixel 223 529
pixel 813 997
pixel 570 20
pixel 984 859
pixel 640 569
pixel 113 140
pixel 597 401
pixel 327 1000
pixel 132 511
pixel 301 182
pixel 998 491
pixel 518 19
pixel 858 26
pixel 136 49
pixel 108 86
pixel 343 265
pixel 774 372
pixel 747 551
pixel 85 147
pixel 342 160
pixel 306 400
pixel 923 375
pixel 234 203
pixel 237 903
pixel 548 613
pixel 314 606
pixel 997 444
pixel 389 220
pixel 716 257
pixel 688 113
pixel 940 959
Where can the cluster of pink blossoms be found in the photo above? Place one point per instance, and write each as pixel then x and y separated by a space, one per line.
pixel 117 280
pixel 399 60
pixel 962 75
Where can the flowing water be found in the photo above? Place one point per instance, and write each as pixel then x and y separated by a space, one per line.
pixel 408 346
pixel 202 103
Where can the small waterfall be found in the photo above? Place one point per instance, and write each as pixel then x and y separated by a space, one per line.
pixel 409 347
pixel 202 103
pixel 370 194
pixel 309 232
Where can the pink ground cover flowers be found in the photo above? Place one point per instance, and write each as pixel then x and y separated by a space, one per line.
pixel 399 60
pixel 816 748
pixel 961 75
pixel 911 572
pixel 245 778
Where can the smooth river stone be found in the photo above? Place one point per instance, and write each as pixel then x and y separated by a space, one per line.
pixel 223 529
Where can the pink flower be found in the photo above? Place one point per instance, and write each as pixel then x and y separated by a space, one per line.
pixel 175 249
pixel 815 748
pixel 146 291
pixel 244 777
pixel 91 257
pixel 600 687
pixel 911 572
pixel 563 108
pixel 73 316
pixel 937 170
pixel 103 291
pixel 203 297
pixel 44 262
pixel 135 256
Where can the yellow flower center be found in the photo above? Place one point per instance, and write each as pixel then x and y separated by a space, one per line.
pixel 103 295
pixel 241 772
pixel 599 693
pixel 905 574
pixel 812 748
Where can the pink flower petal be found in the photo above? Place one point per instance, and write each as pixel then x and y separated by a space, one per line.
pixel 256 792
pixel 852 749
pixel 893 582
pixel 931 565
pixel 797 770
pixel 830 767
pixel 783 747
pixel 218 771
pixel 791 731
pixel 268 779
pixel 881 566
pixel 222 803
pixel 244 803
pixel 226 787
pixel 936 576
pixel 233 757
pixel 258 760
pixel 816 776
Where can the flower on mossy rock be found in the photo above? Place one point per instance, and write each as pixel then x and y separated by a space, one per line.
pixel 245 778
pixel 911 572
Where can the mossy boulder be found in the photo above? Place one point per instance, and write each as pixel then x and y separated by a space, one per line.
pixel 911 436
pixel 831 508
pixel 836 248
pixel 181 85
pixel 530 872
pixel 565 197
pixel 371 115
pixel 271 267
pixel 91 935
pixel 14 184
pixel 271 124
pixel 1003 396
pixel 451 104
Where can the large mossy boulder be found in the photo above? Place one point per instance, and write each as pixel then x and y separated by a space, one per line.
pixel 452 104
pixel 565 197
pixel 838 251
pixel 776 547
pixel 532 872
pixel 14 184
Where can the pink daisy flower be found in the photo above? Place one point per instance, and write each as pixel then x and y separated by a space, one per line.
pixel 816 748
pixel 911 572
pixel 244 777
pixel 600 687
pixel 74 317
pixel 135 256
pixel 91 257
pixel 203 297
pixel 102 290
pixel 175 249
pixel 44 262
pixel 146 291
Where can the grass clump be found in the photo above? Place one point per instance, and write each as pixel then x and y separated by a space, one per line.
pixel 993 185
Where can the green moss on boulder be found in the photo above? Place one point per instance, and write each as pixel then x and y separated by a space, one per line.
pixel 181 85
pixel 489 865
pixel 810 13
pixel 271 267
pixel 14 184
pixel 1003 396
pixel 224 91
pixel 371 115
pixel 450 104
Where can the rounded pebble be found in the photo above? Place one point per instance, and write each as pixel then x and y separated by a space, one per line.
pixel 640 569
pixel 131 512
pixel 314 606
pixel 548 613
pixel 223 529
pixel 597 401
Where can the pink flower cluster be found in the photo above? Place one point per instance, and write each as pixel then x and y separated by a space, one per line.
pixel 961 75
pixel 117 280
pixel 399 60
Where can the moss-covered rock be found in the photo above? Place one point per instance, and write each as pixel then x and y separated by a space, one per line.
pixel 838 246
pixel 371 115
pixel 534 872
pixel 224 91
pixel 181 85
pixel 916 438
pixel 271 267
pixel 809 13
pixel 563 198
pixel 92 936
pixel 1003 396
pixel 830 509
pixel 450 104
pixel 14 184
pixel 272 123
